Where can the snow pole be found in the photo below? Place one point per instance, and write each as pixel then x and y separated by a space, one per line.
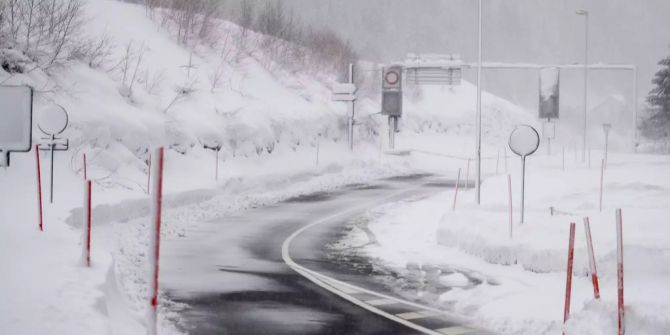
pixel 602 173
pixel 568 281
pixel 497 161
pixel 563 158
pixel 216 166
pixel 149 176
pixel 39 188
pixel 86 225
pixel 85 174
pixel 592 259
pixel 509 196
pixel 467 175
pixel 458 181
pixel 619 249
pixel 154 240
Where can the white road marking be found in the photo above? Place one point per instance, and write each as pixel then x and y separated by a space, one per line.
pixel 381 302
pixel 332 284
pixel 417 315
pixel 455 330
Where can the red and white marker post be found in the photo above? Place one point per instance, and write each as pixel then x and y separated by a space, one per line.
pixel 619 258
pixel 86 225
pixel 458 181
pixel 509 196
pixel 592 259
pixel 568 281
pixel 154 240
pixel 39 188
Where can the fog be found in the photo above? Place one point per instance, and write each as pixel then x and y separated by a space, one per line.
pixel 539 31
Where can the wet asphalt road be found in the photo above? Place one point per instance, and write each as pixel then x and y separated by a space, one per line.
pixel 231 279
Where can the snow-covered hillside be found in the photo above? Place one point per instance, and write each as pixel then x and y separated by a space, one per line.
pixel 278 129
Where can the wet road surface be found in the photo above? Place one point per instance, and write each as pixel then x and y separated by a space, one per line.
pixel 231 278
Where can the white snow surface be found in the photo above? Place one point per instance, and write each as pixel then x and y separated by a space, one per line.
pixel 281 135
pixel 524 277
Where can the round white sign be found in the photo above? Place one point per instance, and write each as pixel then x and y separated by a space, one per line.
pixel 524 140
pixel 52 120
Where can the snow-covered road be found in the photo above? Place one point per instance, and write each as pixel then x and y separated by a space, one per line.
pixel 230 276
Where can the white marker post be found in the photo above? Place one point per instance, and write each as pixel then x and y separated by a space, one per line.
pixel 509 193
pixel 458 181
pixel 524 141
pixel 39 188
pixel 602 178
pixel 149 176
pixel 85 172
pixel 619 258
pixel 592 259
pixel 467 175
pixel 154 240
pixel 86 225
pixel 568 281
pixel 497 161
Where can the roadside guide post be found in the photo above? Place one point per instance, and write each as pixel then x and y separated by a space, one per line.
pixel 524 141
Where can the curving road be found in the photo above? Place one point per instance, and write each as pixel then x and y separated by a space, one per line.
pixel 228 276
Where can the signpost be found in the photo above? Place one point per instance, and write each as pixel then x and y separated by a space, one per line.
pixel 16 108
pixel 524 141
pixel 549 98
pixel 347 92
pixel 52 122
pixel 216 148
pixel 392 99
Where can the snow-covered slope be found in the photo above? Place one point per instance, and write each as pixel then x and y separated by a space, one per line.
pixel 279 132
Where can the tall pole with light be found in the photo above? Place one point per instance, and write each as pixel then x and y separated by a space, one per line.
pixel 585 13
pixel 478 120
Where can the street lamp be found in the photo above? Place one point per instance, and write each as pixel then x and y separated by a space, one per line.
pixel 479 109
pixel 585 13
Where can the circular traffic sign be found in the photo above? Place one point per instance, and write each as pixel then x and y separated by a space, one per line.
pixel 524 140
pixel 392 77
pixel 52 120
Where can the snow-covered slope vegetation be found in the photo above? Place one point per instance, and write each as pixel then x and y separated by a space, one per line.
pixel 138 80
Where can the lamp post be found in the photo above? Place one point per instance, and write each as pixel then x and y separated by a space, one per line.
pixel 479 109
pixel 586 74
pixel 606 129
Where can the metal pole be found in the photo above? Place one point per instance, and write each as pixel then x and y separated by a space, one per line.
pixel 523 186
pixel 352 111
pixel 51 147
pixel 607 136
pixel 635 107
pixel 586 79
pixel 479 108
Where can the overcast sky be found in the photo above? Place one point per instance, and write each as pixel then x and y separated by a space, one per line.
pixel 542 31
